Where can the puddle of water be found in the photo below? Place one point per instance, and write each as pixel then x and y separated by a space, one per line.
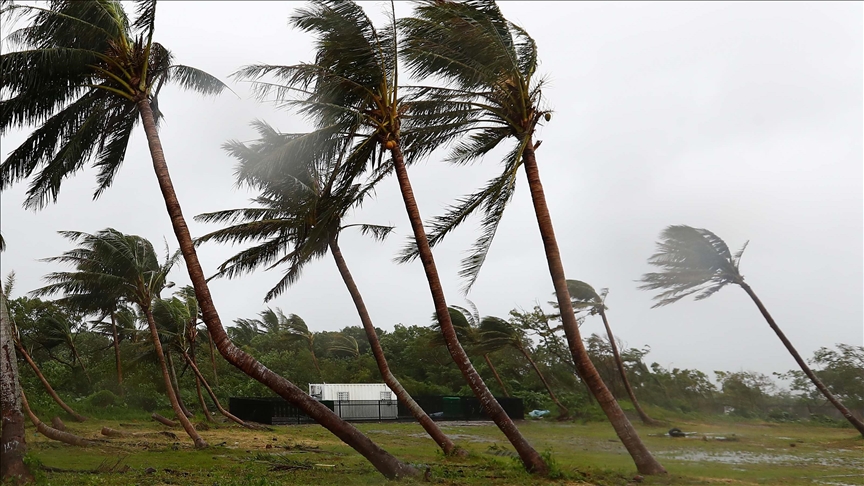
pixel 742 457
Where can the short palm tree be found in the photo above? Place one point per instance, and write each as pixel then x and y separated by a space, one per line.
pixel 86 73
pixel 276 325
pixel 128 264
pixel 351 92
pixel 697 262
pixel 585 298
pixel 299 218
pixel 493 90
pixel 496 333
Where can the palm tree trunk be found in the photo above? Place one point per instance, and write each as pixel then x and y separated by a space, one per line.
pixel 78 417
pixel 495 372
pixel 201 401
pixel 427 423
pixel 51 432
pixel 175 385
pixel 530 458
pixel 383 461
pixel 315 358
pixel 620 363
pixel 213 360
pixel 213 397
pixel 169 389
pixel 561 408
pixel 117 352
pixel 806 369
pixel 645 462
pixel 13 443
pixel 78 359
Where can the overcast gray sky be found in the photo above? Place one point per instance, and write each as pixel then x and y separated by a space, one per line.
pixel 742 118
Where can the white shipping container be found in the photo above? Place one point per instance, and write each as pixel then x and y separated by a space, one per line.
pixel 351 391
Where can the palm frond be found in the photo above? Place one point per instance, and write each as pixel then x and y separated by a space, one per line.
pixel 193 79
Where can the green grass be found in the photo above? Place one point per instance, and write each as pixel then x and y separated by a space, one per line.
pixel 761 453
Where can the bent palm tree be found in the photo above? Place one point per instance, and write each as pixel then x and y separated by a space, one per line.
pixel 584 297
pixel 490 66
pixel 13 440
pixel 128 264
pixel 352 88
pixel 86 73
pixel 696 261
pixel 301 218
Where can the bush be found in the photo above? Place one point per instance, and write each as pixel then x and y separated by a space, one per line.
pixel 103 399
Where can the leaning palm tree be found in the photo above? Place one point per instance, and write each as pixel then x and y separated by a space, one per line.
pixel 85 73
pixel 351 92
pixel 128 264
pixel 300 217
pixel 585 298
pixel 697 262
pixel 496 333
pixel 492 89
pixel 13 440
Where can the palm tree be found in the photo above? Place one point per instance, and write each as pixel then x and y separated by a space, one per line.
pixel 493 90
pixel 127 263
pixel 13 444
pixel 122 326
pixel 696 261
pixel 496 334
pixel 584 297
pixel 86 73
pixel 351 93
pixel 466 323
pixel 300 218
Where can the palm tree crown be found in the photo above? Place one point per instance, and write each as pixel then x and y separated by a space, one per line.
pixel 80 71
pixel 694 261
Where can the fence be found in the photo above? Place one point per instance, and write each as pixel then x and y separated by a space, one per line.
pixel 276 411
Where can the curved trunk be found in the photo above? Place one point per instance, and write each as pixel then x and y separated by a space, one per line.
pixel 213 360
pixel 495 372
pixel 13 444
pixel 169 389
pixel 645 462
pixel 561 408
pixel 191 360
pixel 530 458
pixel 163 420
pixel 175 385
pixel 77 416
pixel 383 461
pixel 213 397
pixel 427 423
pixel 806 369
pixel 620 363
pixel 51 432
pixel 117 352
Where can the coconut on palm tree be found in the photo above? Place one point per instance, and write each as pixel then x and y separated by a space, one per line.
pixel 695 261
pixel 85 74
pixel 492 90
pixel 351 94
pixel 129 265
pixel 585 298
pixel 300 217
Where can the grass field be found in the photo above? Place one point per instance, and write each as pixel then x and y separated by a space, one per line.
pixel 749 453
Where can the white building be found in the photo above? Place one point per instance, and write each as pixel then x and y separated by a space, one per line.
pixel 358 401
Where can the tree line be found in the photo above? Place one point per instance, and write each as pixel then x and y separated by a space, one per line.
pixel 86 72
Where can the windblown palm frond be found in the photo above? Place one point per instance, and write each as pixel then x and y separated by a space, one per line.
pixel 492 95
pixel 81 68
pixel 465 323
pixel 693 261
pixel 496 333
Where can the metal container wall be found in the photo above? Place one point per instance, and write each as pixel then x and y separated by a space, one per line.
pixel 350 391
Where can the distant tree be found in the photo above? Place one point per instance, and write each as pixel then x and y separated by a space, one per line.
pixel 841 370
pixel 696 261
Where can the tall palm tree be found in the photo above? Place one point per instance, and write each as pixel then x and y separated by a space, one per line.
pixel 86 73
pixel 695 261
pixel 584 297
pixel 496 333
pixel 300 218
pixel 127 263
pixel 351 92
pixel 493 90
